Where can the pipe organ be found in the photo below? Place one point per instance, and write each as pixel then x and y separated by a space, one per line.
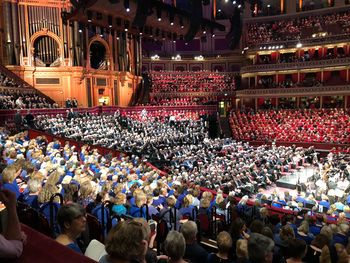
pixel 38 42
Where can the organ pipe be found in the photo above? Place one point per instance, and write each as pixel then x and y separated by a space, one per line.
pixel 76 43
pixel 23 31
pixel 15 29
pixel 8 33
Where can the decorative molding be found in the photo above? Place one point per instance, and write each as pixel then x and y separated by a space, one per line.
pixel 41 33
pixel 191 94
pixel 297 65
pixel 294 92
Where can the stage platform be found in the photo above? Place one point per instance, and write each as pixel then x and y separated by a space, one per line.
pixel 290 180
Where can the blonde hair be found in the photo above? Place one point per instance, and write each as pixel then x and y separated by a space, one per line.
pixel 46 192
pixel 242 248
pixel 171 201
pixel 124 241
pixel 325 256
pixel 9 174
pixel 207 195
pixel 188 200
pixel 140 199
pixel 224 242
pixel 86 189
pixel 120 199
pixel 304 227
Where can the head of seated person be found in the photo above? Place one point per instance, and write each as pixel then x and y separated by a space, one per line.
pixel 296 250
pixel 260 248
pixel 175 246
pixel 127 242
pixel 72 221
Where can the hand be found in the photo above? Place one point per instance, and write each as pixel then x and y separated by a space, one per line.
pixel 245 235
pixel 8 198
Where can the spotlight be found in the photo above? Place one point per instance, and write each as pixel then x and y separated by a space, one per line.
pixel 110 21
pixel 89 16
pixel 159 14
pixel 127 5
pixel 171 23
pixel 181 23
pixel 299 45
pixel 234 2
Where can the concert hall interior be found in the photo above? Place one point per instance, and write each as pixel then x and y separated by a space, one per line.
pixel 175 131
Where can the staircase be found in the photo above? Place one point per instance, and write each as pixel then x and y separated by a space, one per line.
pixel 225 127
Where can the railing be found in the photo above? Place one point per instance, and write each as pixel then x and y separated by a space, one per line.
pixel 6 115
pixel 305 91
pixel 306 42
pixel 297 65
pixel 191 94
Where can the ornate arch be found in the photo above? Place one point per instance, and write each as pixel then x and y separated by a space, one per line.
pixel 97 38
pixel 42 33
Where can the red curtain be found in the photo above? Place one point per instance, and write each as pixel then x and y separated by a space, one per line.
pixel 311 52
pixel 326 75
pixel 335 51
pixel 301 53
pixel 346 49
pixel 295 77
pixel 343 74
pixel 281 78
pixel 261 101
pixel 302 77
pixel 318 76
pixel 274 56
pixel 320 51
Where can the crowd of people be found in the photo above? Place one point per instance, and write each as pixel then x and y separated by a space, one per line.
pixel 268 82
pixel 308 125
pixel 293 57
pixel 35 169
pixel 282 30
pixel 71 103
pixel 183 101
pixel 19 99
pixel 167 84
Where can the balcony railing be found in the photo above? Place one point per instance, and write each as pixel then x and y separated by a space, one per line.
pixel 334 39
pixel 294 92
pixel 297 65
pixel 191 94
